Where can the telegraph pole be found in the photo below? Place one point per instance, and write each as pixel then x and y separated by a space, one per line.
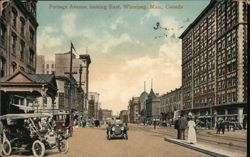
pixel 80 82
pixel 70 75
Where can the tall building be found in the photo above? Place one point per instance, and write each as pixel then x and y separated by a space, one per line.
pixel 152 106
pixel 18 25
pixel 45 66
pixel 49 67
pixel 94 104
pixel 214 57
pixel 134 110
pixel 79 65
pixel 40 64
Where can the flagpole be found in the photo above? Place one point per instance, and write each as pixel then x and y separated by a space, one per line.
pixel 70 77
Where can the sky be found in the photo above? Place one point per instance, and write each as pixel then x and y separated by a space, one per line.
pixel 122 38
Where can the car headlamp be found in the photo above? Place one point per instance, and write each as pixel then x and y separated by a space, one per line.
pixel 113 129
pixel 122 128
pixel 59 137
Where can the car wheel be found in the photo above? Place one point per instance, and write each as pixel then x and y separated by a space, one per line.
pixel 6 147
pixel 63 146
pixel 38 149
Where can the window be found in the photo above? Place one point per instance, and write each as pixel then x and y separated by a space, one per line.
pixel 2 35
pixel 22 21
pixel 13 17
pixel 22 68
pixel 47 65
pixel 2 67
pixel 14 67
pixel 22 45
pixel 32 35
pixel 52 65
pixel 13 44
pixel 31 57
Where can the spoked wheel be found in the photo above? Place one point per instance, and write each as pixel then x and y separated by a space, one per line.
pixel 63 146
pixel 6 148
pixel 38 149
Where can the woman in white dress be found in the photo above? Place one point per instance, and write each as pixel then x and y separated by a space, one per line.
pixel 191 132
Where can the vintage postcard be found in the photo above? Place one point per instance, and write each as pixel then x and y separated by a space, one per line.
pixel 123 78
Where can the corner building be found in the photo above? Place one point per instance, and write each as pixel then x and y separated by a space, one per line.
pixel 18 27
pixel 214 62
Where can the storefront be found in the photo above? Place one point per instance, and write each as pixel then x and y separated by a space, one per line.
pixel 19 92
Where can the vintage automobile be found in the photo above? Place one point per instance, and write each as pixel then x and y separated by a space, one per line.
pixel 117 130
pixel 26 132
pixel 62 124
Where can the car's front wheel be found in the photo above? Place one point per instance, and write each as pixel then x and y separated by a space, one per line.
pixel 63 146
pixel 38 149
pixel 7 149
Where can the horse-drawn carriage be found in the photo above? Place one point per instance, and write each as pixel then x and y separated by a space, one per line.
pixel 31 132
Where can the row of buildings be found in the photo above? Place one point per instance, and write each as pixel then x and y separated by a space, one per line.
pixel 29 82
pixel 214 69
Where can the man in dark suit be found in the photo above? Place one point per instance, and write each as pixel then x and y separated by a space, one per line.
pixel 182 126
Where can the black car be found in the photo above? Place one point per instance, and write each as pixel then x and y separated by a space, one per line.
pixel 117 130
pixel 27 132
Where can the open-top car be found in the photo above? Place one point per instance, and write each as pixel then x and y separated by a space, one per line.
pixel 62 124
pixel 31 132
pixel 117 130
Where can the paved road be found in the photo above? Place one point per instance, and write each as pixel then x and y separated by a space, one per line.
pixel 92 142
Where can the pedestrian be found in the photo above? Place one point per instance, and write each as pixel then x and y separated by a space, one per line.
pixel 245 122
pixel 222 126
pixel 191 131
pixel 182 123
pixel 218 126
pixel 176 126
pixel 154 124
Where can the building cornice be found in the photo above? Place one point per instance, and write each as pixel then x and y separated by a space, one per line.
pixel 202 14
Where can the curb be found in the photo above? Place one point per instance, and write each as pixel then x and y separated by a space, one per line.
pixel 203 150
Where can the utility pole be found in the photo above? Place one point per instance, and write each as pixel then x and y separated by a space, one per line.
pixel 80 82
pixel 70 75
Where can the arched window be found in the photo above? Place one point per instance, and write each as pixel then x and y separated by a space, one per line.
pixel 13 66
pixel 13 17
pixel 22 26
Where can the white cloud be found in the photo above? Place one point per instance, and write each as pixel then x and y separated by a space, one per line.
pixel 117 22
pixel 112 41
pixel 69 24
pixel 127 81
pixel 47 41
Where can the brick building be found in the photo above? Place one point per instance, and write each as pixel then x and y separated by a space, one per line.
pixel 18 27
pixel 214 61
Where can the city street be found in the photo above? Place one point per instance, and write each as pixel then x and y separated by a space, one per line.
pixel 92 142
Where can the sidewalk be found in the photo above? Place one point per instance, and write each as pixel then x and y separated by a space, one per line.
pixel 216 152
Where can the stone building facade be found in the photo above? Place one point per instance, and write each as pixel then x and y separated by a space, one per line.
pixel 170 102
pixel 214 57
pixel 18 25
pixel 152 106
pixel 134 110
pixel 62 65
pixel 94 105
